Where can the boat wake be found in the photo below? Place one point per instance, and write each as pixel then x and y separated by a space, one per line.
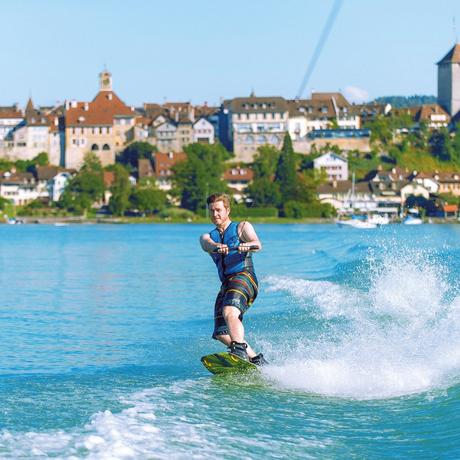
pixel 399 336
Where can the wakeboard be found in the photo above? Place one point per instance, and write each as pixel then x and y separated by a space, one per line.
pixel 226 363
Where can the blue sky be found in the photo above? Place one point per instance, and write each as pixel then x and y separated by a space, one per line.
pixel 206 50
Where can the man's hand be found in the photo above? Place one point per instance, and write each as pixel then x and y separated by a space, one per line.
pixel 244 247
pixel 221 249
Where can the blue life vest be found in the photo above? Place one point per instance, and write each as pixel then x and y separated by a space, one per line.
pixel 233 262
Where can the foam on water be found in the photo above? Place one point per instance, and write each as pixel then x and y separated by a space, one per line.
pixel 179 421
pixel 400 336
pixel 131 433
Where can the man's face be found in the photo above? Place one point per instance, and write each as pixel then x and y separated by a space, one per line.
pixel 218 213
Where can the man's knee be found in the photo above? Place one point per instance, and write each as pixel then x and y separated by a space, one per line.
pixel 230 312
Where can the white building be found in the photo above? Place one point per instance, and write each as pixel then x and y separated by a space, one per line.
pixel 427 181
pixel 57 184
pixel 322 111
pixel 51 181
pixel 203 131
pixel 36 132
pixel 10 118
pixel 19 188
pixel 334 165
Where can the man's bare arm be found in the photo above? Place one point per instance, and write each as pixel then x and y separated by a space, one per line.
pixel 208 245
pixel 249 237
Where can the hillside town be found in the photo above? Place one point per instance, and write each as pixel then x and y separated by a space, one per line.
pixel 326 128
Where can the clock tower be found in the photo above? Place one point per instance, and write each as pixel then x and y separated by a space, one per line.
pixel 105 81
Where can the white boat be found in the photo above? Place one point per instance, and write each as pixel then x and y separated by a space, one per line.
pixel 378 219
pixel 412 220
pixel 12 220
pixel 355 223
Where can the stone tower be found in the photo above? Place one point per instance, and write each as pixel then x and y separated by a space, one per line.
pixel 449 81
pixel 105 81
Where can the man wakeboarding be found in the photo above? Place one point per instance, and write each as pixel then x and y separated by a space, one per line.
pixel 230 244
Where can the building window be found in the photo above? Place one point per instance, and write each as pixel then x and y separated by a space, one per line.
pixel 106 147
pixel 94 147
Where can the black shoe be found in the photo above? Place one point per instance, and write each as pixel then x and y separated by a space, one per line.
pixel 239 349
pixel 259 360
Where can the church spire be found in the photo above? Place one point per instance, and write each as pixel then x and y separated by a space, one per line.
pixel 30 107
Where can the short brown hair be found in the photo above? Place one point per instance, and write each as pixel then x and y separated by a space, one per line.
pixel 219 197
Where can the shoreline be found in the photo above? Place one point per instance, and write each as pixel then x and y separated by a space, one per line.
pixel 67 220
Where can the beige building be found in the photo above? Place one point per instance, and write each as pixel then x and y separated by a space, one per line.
pixel 256 121
pixel 100 126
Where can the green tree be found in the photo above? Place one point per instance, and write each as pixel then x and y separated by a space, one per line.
pixel 199 175
pixel 456 145
pixel 441 145
pixel 148 198
pixel 86 188
pixel 131 155
pixel 407 101
pixel 3 203
pixel 121 191
pixel 381 131
pixel 263 191
pixel 41 159
pixel 286 171
pixel 29 165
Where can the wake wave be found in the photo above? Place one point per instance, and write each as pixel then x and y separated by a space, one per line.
pixel 400 336
pixel 153 425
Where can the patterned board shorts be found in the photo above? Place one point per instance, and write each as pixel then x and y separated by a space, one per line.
pixel 240 291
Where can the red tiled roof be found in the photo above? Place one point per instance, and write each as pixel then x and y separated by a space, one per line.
pixel 205 111
pixel 424 112
pixel 17 178
pixel 143 121
pixel 10 112
pixel 339 98
pixel 101 111
pixel 165 161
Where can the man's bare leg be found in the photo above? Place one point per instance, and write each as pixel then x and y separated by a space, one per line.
pixel 236 329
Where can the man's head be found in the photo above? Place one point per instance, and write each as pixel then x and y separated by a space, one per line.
pixel 219 208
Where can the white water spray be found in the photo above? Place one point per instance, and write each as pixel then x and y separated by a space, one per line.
pixel 399 337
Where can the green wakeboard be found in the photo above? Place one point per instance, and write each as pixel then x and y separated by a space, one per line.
pixel 226 363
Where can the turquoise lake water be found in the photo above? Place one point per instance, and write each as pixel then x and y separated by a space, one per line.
pixel 103 328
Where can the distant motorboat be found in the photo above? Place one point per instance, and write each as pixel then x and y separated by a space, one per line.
pixel 355 223
pixel 412 220
pixel 378 219
pixel 12 220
